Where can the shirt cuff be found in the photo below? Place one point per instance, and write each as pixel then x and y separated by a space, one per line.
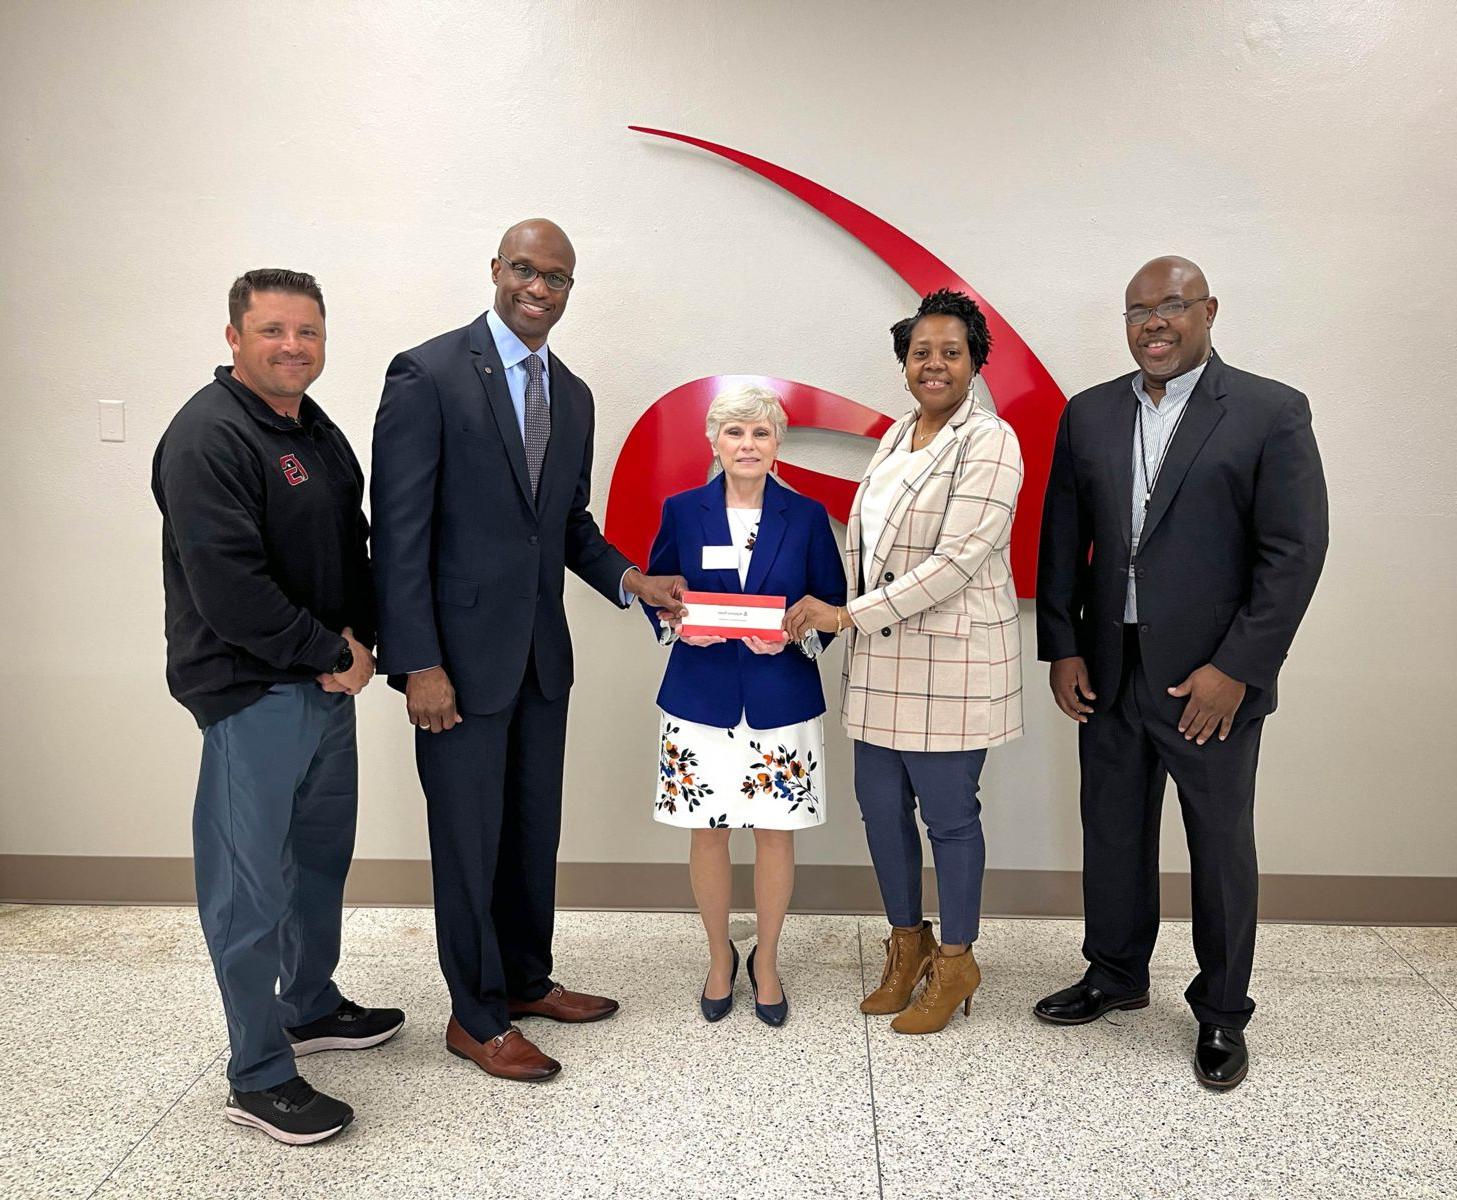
pixel 323 651
pixel 624 596
pixel 810 644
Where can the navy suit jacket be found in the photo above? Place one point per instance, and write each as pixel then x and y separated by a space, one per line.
pixel 468 568
pixel 795 555
pixel 1233 543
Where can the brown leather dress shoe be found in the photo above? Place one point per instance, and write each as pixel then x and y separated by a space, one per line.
pixel 562 1005
pixel 509 1056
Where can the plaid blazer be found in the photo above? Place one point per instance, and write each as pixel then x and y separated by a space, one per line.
pixel 933 660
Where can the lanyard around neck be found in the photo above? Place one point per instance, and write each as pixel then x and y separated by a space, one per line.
pixel 1150 483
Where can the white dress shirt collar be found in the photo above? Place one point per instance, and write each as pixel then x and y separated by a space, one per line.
pixel 512 349
pixel 1176 390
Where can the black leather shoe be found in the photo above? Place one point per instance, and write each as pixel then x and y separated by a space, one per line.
pixel 1221 1059
pixel 770 1014
pixel 717 1010
pixel 1081 1003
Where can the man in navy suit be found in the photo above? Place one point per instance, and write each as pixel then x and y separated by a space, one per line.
pixel 1184 531
pixel 482 475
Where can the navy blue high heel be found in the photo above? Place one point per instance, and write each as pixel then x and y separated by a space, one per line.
pixel 717 1010
pixel 770 1014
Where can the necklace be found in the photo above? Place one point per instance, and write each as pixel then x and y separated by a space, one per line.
pixel 924 439
pixel 748 525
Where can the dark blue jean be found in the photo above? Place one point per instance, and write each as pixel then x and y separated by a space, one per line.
pixel 888 783
pixel 273 835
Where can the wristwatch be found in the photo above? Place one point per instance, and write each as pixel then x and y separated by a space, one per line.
pixel 344 661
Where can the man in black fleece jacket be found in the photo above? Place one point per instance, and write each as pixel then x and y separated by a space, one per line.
pixel 270 616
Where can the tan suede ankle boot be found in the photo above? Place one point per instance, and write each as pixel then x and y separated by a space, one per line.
pixel 907 958
pixel 953 979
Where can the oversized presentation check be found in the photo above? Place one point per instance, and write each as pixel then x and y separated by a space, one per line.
pixel 731 615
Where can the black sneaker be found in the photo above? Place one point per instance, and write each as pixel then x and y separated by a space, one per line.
pixel 292 1113
pixel 348 1027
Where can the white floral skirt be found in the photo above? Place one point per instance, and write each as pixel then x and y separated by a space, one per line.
pixel 740 778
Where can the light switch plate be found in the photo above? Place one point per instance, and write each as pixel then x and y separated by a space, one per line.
pixel 113 420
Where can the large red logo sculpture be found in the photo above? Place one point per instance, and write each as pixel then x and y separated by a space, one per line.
pixel 666 452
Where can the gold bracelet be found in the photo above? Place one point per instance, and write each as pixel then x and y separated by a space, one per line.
pixel 838 625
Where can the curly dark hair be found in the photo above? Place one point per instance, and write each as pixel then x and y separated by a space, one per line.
pixel 946 303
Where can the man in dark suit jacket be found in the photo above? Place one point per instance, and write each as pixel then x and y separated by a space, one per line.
pixel 1184 530
pixel 482 474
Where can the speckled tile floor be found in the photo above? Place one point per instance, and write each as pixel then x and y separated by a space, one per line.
pixel 112 1058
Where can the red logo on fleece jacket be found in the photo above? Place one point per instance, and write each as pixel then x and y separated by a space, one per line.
pixel 293 470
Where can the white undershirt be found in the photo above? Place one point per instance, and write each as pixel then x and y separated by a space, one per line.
pixel 884 486
pixel 743 529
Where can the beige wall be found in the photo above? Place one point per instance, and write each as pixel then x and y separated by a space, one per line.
pixel 1302 152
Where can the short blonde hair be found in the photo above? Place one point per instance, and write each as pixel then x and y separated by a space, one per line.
pixel 748 402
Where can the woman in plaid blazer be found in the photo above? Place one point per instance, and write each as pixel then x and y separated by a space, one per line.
pixel 933 660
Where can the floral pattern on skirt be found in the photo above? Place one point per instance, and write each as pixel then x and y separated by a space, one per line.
pixel 784 774
pixel 740 778
pixel 676 764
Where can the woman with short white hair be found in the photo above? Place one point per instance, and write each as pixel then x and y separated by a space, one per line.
pixel 746 402
pixel 741 738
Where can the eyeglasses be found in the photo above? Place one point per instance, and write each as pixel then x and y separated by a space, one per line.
pixel 525 272
pixel 1167 311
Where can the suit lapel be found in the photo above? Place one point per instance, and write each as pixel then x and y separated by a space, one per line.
pixel 884 449
pixel 893 518
pixel 492 375
pixel 563 414
pixel 854 527
pixel 1205 411
pixel 714 518
pixel 911 486
pixel 771 532
pixel 1122 459
pixel 867 570
pixel 852 543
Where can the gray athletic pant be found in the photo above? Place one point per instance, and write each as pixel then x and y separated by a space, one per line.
pixel 273 835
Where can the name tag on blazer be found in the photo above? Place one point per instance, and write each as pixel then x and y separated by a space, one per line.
pixel 720 558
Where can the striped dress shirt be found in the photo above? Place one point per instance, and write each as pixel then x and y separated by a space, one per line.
pixel 1159 422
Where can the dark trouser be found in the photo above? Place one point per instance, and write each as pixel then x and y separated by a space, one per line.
pixel 887 784
pixel 1127 750
pixel 493 792
pixel 272 836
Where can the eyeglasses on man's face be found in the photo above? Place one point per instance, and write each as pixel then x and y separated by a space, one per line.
pixel 556 280
pixel 1166 311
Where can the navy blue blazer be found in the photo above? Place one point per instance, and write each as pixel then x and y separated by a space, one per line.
pixel 795 555
pixel 469 567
